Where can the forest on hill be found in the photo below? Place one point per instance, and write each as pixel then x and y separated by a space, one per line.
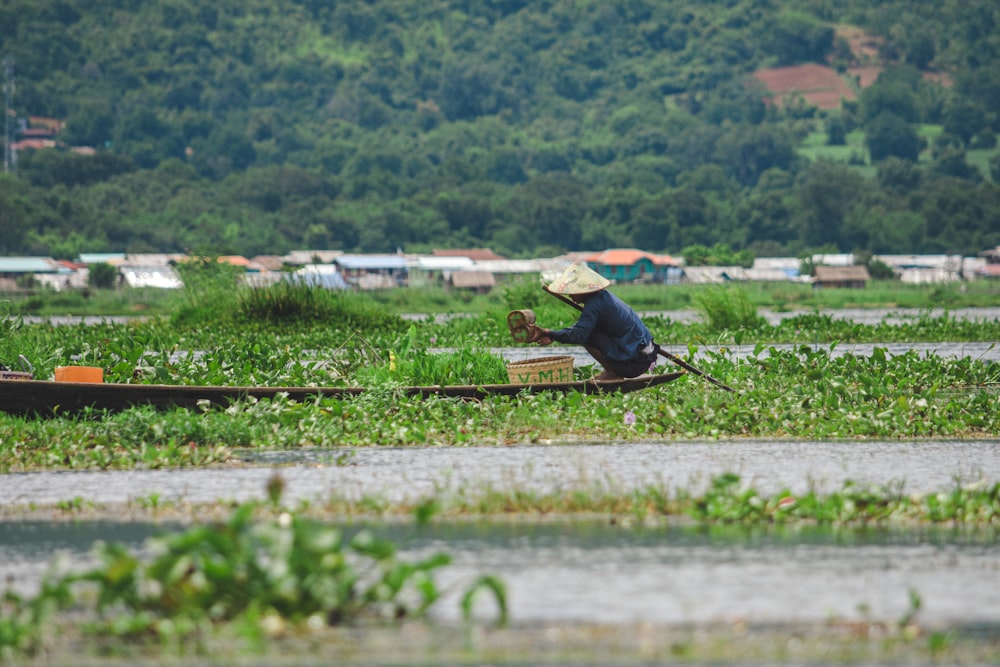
pixel 257 126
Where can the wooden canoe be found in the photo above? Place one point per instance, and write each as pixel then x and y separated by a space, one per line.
pixel 42 397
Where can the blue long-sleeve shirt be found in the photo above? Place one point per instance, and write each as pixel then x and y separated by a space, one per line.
pixel 604 312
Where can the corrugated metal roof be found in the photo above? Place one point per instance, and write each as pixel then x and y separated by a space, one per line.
pixel 782 263
pixel 713 274
pixel 475 254
pixel 446 263
pixel 30 265
pixel 101 257
pixel 154 259
pixel 151 276
pixel 318 275
pixel 770 275
pixel 921 261
pixel 521 265
pixel 836 259
pixel 371 262
pixel 312 256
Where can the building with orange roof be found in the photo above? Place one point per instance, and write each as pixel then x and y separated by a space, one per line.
pixel 631 265
pixel 475 254
pixel 234 260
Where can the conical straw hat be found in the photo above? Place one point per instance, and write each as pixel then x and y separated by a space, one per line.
pixel 578 278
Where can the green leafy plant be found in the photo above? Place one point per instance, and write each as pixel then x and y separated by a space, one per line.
pixel 261 575
pixel 409 364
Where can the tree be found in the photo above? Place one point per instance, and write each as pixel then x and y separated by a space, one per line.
pixel 888 95
pixel 963 119
pixel 920 50
pixel 827 193
pixel 90 125
pixel 102 275
pixel 836 131
pixel 880 230
pixel 50 167
pixel 952 163
pixel 748 151
pixel 797 38
pixel 889 135
pixel 898 176
pixel 768 217
pixel 719 254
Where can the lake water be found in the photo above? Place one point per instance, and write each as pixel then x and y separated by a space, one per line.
pixel 592 571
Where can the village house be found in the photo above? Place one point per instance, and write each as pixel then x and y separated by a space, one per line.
pixel 479 269
pixel 630 265
pixel 922 269
pixel 854 276
pixel 303 257
pixel 475 254
pixel 436 270
pixel 326 276
pixel 505 269
pixel 712 275
pixel 368 272
pixel 991 267
pixel 479 282
pixel 14 271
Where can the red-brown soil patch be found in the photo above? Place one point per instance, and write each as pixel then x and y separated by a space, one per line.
pixel 819 85
pixel 865 47
pixel 866 75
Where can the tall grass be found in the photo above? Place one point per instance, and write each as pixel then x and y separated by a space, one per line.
pixel 287 303
pixel 214 294
pixel 728 309
pixel 208 291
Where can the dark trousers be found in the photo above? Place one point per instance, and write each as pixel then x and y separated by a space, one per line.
pixel 631 368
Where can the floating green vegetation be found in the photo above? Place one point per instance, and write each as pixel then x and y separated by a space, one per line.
pixel 296 335
pixel 727 500
pixel 247 577
pixel 804 393
pixel 410 364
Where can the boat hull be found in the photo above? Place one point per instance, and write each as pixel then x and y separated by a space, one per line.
pixel 41 397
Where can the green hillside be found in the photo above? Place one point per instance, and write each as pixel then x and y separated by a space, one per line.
pixel 257 127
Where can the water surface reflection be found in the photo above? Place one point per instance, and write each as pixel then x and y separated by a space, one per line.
pixel 598 573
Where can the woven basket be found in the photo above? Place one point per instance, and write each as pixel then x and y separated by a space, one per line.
pixel 541 371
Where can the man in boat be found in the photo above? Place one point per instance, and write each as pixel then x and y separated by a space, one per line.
pixel 608 327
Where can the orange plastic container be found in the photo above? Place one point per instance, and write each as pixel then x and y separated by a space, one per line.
pixel 79 374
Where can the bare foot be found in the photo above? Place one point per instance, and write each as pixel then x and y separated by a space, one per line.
pixel 607 376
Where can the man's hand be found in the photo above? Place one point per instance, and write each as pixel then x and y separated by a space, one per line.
pixel 539 335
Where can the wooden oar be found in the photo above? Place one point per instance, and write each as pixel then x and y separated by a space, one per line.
pixel 677 360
